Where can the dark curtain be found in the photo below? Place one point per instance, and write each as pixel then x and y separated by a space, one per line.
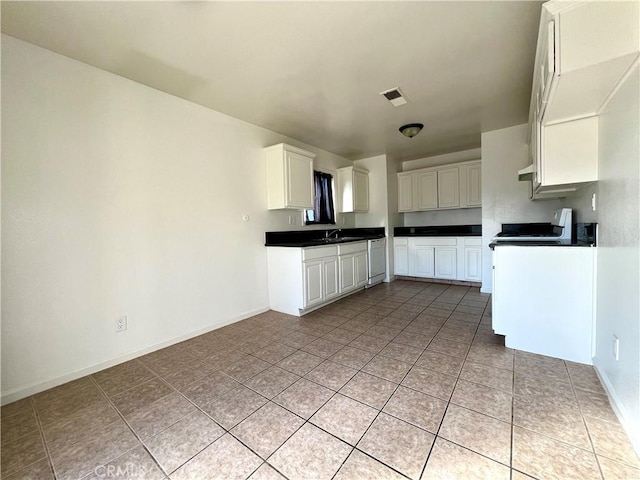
pixel 323 204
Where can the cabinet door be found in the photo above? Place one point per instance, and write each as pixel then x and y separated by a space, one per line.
pixel 405 192
pixel 570 152
pixel 313 280
pixel 347 273
pixel 422 261
pixel 299 180
pixel 427 190
pixel 360 191
pixel 448 188
pixel 445 262
pixel 362 271
pixel 401 256
pixel 330 271
pixel 473 264
pixel 474 185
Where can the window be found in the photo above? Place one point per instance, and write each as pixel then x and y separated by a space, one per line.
pixel 323 211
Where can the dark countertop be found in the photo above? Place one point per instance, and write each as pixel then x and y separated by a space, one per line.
pixel 316 238
pixel 439 231
pixel 538 243
pixel 583 234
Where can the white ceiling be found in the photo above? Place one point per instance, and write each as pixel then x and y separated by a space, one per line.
pixel 313 70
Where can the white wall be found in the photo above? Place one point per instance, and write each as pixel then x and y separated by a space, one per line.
pixel 383 201
pixel 395 218
pixel 120 199
pixel 580 203
pixel 618 273
pixel 444 159
pixel 377 216
pixel 504 198
pixel 458 216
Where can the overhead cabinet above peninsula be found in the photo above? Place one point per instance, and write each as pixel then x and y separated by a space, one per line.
pixel 585 50
pixel 457 185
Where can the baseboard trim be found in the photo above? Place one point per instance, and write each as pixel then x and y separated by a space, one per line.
pixel 618 408
pixel 23 392
pixel 461 283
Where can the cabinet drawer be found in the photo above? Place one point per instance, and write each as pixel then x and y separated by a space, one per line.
pixel 401 241
pixel 434 241
pixel 312 253
pixel 473 241
pixel 352 247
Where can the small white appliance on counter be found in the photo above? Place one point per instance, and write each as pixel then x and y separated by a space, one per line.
pixel 560 229
pixel 376 249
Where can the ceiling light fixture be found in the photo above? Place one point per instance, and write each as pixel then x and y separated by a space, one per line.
pixel 411 129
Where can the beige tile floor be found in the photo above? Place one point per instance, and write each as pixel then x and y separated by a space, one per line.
pixel 400 381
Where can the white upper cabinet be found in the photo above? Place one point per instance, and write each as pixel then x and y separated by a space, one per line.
pixel 471 185
pixel 405 192
pixel 426 190
pixel 353 190
pixel 592 45
pixel 448 187
pixel 289 177
pixel 569 152
pixel 585 50
pixel 445 187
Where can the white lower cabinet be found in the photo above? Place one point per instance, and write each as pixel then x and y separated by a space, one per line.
pixel 347 273
pixel 353 266
pixel 321 281
pixel 330 280
pixel 447 258
pixel 401 255
pixel 421 261
pixel 313 282
pixel 445 262
pixel 543 300
pixel 472 259
pixel 303 279
pixel 362 272
pixel 432 257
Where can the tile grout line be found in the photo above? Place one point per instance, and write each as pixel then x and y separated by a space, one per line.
pixel 128 426
pixel 367 429
pixel 42 439
pixel 398 386
pixel 584 421
pixel 390 296
pixel 380 411
pixel 437 434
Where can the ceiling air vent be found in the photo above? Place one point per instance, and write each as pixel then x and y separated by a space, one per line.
pixel 394 96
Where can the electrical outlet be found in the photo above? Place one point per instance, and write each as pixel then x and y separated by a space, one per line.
pixel 593 202
pixel 616 348
pixel 121 323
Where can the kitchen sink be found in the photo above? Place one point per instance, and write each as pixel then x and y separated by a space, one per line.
pixel 339 239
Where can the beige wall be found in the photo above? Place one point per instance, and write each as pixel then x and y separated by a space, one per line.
pixel 118 199
pixel 618 273
pixel 504 198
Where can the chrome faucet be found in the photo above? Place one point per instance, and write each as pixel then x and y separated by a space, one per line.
pixel 329 233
